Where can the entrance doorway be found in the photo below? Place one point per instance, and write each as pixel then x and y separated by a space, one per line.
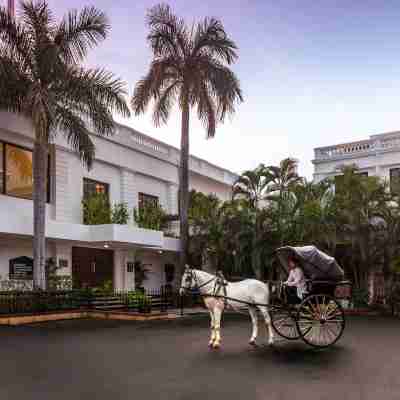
pixel 91 267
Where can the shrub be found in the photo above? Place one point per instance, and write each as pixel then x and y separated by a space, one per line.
pixel 150 216
pixel 120 214
pixel 137 299
pixel 96 210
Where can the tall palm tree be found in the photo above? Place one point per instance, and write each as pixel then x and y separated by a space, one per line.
pixel 190 67
pixel 41 79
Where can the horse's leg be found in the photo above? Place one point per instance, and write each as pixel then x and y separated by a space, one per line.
pixel 254 320
pixel 267 318
pixel 212 338
pixel 217 325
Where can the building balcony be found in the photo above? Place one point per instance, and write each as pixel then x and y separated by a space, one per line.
pixel 16 216
pixel 376 144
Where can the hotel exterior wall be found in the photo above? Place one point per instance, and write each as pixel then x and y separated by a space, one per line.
pixel 376 156
pixel 129 162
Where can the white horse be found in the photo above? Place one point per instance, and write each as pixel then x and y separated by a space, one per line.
pixel 250 291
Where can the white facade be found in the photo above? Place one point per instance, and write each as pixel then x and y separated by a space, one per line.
pixel 377 156
pixel 130 163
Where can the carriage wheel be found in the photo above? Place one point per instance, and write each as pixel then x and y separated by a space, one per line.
pixel 320 320
pixel 284 323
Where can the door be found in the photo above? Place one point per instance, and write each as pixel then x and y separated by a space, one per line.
pixel 91 267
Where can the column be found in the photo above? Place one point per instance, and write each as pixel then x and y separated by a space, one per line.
pixel 172 199
pixel 128 192
pixel 119 268
pixel 61 192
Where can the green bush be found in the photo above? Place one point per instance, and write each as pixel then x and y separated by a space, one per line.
pixel 96 210
pixel 120 214
pixel 137 299
pixel 151 216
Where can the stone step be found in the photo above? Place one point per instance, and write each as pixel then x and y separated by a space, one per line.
pixel 110 307
pixel 107 301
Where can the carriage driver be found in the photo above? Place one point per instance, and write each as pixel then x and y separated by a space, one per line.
pixel 296 283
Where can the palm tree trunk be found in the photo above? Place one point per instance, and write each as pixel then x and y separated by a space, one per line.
pixel 184 186
pixel 39 213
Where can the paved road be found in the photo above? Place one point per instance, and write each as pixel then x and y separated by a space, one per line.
pixel 89 359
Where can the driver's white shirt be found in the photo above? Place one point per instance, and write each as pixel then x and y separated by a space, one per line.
pixel 296 278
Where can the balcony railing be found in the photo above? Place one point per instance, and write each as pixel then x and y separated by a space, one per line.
pixel 341 150
pixel 381 142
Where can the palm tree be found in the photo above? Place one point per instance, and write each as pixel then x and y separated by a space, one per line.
pixel 284 178
pixel 189 67
pixel 42 80
pixel 252 186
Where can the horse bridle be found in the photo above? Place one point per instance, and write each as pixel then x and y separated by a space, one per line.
pixel 193 277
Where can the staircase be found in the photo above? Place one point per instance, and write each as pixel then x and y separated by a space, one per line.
pixel 115 303
pixel 108 303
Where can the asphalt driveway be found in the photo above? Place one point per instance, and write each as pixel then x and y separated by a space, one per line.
pixel 91 359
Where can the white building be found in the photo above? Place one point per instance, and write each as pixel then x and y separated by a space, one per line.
pixel 377 156
pixel 130 167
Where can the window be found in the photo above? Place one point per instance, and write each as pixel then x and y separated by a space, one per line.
pixel 19 172
pixel 147 199
pixel 395 180
pixel 16 171
pixel 91 187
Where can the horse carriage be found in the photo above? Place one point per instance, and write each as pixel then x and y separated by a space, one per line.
pixel 317 318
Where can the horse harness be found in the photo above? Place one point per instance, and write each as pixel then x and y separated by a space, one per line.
pixel 220 283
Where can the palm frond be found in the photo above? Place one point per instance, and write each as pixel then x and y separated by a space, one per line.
pixel 162 74
pixel 79 32
pixel 97 89
pixel 77 135
pixel 211 39
pixel 164 103
pixel 206 110
pixel 15 40
pixel 13 85
pixel 168 35
pixel 38 20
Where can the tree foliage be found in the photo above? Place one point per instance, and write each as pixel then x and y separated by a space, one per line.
pixel 357 219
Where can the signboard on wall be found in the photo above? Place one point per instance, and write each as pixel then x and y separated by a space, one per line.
pixel 21 268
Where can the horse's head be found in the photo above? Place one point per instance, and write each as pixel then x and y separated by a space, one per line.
pixel 188 280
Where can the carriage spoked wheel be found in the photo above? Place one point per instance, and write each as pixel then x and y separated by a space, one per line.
pixel 320 320
pixel 283 320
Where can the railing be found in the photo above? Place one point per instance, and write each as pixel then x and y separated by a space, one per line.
pixel 16 302
pixel 384 142
pixel 139 301
pixel 354 148
pixel 149 143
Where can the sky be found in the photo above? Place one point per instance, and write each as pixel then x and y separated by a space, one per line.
pixel 313 73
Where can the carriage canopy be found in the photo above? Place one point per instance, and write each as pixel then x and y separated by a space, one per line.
pixel 316 264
